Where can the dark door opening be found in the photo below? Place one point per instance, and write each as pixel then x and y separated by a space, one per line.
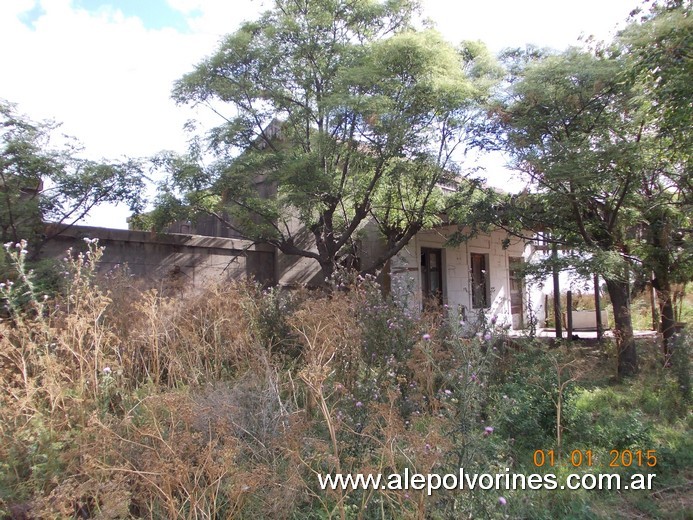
pixel 480 276
pixel 432 276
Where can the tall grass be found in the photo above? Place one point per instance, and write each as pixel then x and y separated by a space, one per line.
pixel 123 402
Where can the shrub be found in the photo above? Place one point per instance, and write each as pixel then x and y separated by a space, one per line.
pixel 122 401
pixel 523 403
pixel 598 418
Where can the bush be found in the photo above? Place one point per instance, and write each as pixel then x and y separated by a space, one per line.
pixel 523 403
pixel 121 401
pixel 594 420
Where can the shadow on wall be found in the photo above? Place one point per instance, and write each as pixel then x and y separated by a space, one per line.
pixel 172 260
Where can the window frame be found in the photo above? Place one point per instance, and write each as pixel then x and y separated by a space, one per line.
pixel 480 289
pixel 425 267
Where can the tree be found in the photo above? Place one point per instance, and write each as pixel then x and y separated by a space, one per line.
pixel 41 183
pixel 342 114
pixel 567 124
pixel 604 136
pixel 658 51
pixel 658 47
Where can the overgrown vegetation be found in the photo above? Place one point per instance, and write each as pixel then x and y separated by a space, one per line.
pixel 119 402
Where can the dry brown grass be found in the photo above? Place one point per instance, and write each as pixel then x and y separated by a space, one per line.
pixel 121 402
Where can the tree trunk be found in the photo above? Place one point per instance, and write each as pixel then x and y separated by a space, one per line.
pixel 619 292
pixel 660 239
pixel 327 267
pixel 668 324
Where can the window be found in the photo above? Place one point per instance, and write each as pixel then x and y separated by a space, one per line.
pixel 480 277
pixel 432 275
pixel 516 290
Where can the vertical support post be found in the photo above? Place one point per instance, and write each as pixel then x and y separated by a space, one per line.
pixel 653 306
pixel 598 307
pixel 556 293
pixel 569 314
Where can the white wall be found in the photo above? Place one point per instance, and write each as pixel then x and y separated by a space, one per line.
pixel 406 272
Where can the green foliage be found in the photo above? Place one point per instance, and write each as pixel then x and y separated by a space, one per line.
pixel 658 46
pixel 269 321
pixel 387 327
pixel 599 135
pixel 340 113
pixel 523 404
pixel 601 419
pixel 564 117
pixel 41 182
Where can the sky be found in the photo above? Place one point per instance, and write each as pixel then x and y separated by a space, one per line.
pixel 105 68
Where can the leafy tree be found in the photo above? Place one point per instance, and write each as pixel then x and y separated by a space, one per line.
pixel 41 183
pixel 567 124
pixel 658 47
pixel 601 136
pixel 658 51
pixel 337 113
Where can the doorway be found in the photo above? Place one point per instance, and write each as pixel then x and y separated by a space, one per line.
pixel 432 276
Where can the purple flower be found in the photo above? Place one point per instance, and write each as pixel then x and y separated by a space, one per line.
pixel 426 337
pixel 488 430
pixel 359 404
pixel 502 501
pixel 487 336
pixel 448 392
pixel 494 320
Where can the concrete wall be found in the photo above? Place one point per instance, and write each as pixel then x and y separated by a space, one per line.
pixel 192 261
pixel 188 259
pixel 293 270
pixel 296 270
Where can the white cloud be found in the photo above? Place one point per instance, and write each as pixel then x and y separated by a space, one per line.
pixel 210 18
pixel 105 75
pixel 513 23
pixel 109 78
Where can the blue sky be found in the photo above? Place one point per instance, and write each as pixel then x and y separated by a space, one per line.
pixel 155 14
pixel 105 69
